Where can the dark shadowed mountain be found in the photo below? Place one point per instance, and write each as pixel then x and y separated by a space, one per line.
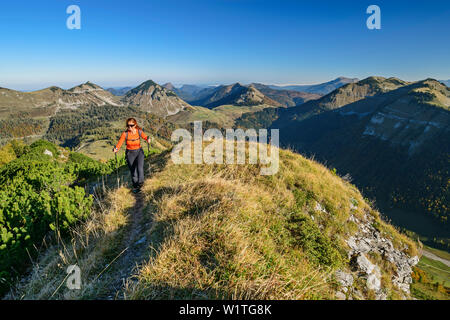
pixel 188 92
pixel 235 94
pixel 395 145
pixel 287 98
pixel 119 91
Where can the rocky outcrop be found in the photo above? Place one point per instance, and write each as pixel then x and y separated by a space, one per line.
pixel 368 240
pixel 403 120
pixel 48 153
pixel 153 98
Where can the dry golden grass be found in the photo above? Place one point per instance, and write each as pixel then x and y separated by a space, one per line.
pixel 223 231
pixel 216 243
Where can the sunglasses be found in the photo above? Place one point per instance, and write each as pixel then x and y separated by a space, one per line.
pixel 130 125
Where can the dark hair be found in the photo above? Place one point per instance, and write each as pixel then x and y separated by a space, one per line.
pixel 134 121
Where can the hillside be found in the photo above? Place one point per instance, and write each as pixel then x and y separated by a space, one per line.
pixel 201 231
pixel 94 130
pixel 346 94
pixel 29 114
pixel 235 94
pixel 395 146
pixel 153 98
pixel 47 101
pixel 41 197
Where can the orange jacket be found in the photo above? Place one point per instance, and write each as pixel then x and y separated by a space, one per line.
pixel 133 141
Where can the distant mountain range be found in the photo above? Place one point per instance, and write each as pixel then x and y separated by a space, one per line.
pixel 119 91
pixel 211 97
pixel 342 96
pixel 287 98
pixel 321 88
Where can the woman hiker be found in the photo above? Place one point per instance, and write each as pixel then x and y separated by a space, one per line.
pixel 134 153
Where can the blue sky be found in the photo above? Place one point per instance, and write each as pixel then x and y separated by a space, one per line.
pixel 219 41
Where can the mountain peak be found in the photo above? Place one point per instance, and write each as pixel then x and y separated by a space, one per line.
pixel 147 85
pixel 234 94
pixel 155 99
pixel 87 86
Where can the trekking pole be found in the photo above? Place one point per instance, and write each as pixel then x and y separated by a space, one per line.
pixel 148 155
pixel 117 170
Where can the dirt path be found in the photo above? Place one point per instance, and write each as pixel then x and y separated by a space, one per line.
pixel 134 248
pixel 432 256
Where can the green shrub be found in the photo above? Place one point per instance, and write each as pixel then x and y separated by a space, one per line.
pixel 35 197
pixel 307 235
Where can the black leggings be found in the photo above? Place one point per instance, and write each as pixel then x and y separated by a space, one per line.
pixel 135 161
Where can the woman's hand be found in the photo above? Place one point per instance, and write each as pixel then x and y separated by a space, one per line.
pixel 115 150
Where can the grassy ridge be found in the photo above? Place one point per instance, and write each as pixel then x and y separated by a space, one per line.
pixel 218 231
pixel 222 232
